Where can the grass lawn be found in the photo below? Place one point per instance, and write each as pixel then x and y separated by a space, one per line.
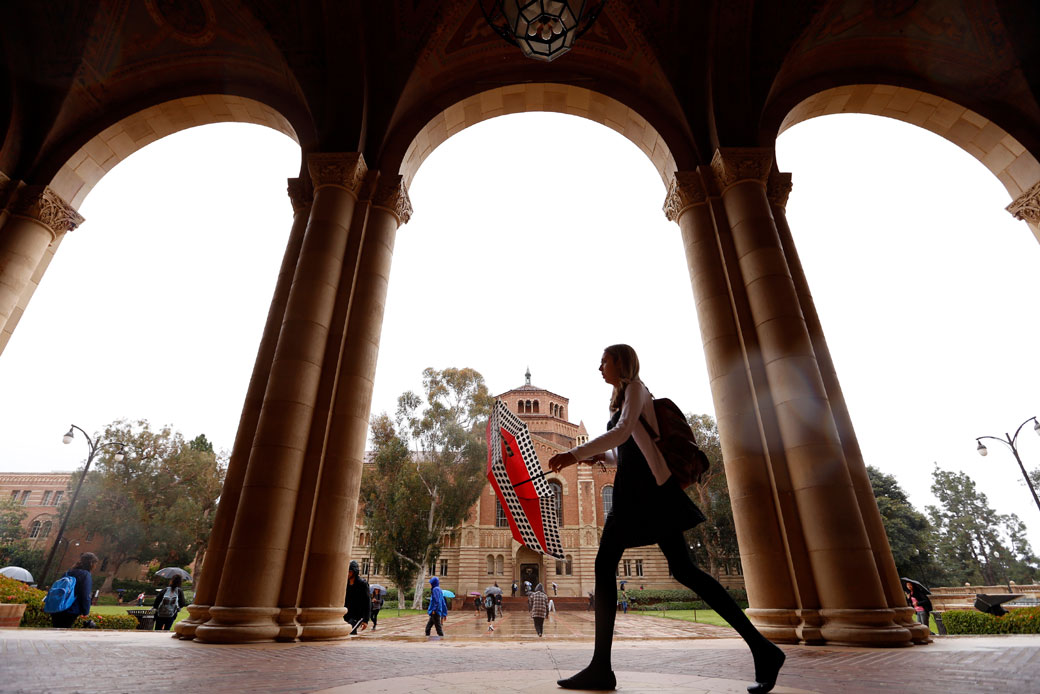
pixel 700 616
pixel 121 609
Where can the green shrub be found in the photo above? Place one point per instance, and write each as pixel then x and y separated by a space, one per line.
pixel 133 588
pixel 12 591
pixel 1019 620
pixel 107 621
pixel 644 598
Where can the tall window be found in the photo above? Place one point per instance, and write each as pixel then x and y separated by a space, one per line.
pixel 35 531
pixel 500 515
pixel 490 565
pixel 628 567
pixel 444 567
pixel 559 567
pixel 25 497
pixel 57 498
pixel 639 567
pixel 608 500
pixel 520 407
pixel 536 407
pixel 500 565
pixel 46 530
pixel 46 499
pixel 570 565
pixel 365 566
pixel 557 490
pixel 14 495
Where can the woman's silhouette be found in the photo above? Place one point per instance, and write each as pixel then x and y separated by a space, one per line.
pixel 649 508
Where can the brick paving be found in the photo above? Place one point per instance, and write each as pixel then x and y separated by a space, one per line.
pixel 649 654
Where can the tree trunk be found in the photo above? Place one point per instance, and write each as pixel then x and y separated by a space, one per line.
pixel 107 586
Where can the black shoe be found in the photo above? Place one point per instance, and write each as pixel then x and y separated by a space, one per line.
pixel 590 678
pixel 768 661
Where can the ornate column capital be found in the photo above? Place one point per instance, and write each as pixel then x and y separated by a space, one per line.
pixel 778 188
pixel 341 169
pixel 734 164
pixel 43 205
pixel 391 194
pixel 301 194
pixel 1027 206
pixel 686 190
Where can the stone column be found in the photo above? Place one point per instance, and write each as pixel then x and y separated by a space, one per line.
pixel 855 608
pixel 207 583
pixel 325 577
pixel 246 607
pixel 778 189
pixel 763 551
pixel 36 217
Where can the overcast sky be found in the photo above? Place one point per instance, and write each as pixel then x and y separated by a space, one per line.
pixel 926 287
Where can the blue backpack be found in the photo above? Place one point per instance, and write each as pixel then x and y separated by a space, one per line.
pixel 61 596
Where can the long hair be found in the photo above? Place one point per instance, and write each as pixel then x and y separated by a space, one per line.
pixel 87 561
pixel 176 581
pixel 628 369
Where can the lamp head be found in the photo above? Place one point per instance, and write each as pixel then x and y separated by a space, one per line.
pixel 982 450
pixel 67 438
pixel 1036 426
pixel 119 454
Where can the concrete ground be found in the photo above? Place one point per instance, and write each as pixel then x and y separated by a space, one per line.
pixel 650 655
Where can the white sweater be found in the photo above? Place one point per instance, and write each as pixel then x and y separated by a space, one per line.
pixel 637 400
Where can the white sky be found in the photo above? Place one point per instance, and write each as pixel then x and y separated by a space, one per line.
pixel 926 287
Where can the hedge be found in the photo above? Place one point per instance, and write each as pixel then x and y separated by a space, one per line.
pixel 106 621
pixel 1019 620
pixel 647 598
pixel 12 591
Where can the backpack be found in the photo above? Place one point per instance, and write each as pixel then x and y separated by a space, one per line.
pixel 61 596
pixel 677 443
pixel 489 602
pixel 169 607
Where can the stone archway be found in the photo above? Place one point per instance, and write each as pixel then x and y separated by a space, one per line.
pixel 1016 168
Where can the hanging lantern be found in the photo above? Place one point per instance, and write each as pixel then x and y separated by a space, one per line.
pixel 544 29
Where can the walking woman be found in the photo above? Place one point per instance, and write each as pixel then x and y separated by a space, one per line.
pixel 649 508
pixel 168 604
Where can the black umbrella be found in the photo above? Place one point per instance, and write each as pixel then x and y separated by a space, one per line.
pixel 171 571
pixel 918 586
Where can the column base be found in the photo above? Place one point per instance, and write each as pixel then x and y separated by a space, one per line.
pixel 906 617
pixel 323 624
pixel 843 627
pixel 810 622
pixel 778 625
pixel 240 625
pixel 288 628
pixel 197 615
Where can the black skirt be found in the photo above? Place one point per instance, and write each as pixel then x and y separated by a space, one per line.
pixel 644 512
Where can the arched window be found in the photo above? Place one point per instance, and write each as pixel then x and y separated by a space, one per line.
pixel 570 565
pixel 46 529
pixel 608 500
pixel 520 406
pixel 500 515
pixel 527 406
pixel 562 414
pixel 536 407
pixel 35 531
pixel 490 565
pixel 500 565
pixel 557 490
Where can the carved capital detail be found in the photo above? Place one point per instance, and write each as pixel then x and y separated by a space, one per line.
pixel 301 194
pixel 1027 206
pixel 42 204
pixel 341 169
pixel 391 194
pixel 734 164
pixel 778 188
pixel 687 189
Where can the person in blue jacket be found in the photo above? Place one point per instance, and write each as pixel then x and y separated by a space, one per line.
pixel 438 608
pixel 84 587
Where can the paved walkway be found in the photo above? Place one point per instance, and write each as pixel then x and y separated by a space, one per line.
pixel 650 654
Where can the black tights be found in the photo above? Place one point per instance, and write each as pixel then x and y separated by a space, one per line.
pixel 683 569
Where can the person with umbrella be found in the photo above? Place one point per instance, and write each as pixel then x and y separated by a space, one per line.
pixel 917 597
pixel 377 603
pixel 169 602
pixel 357 600
pixel 438 610
pixel 650 507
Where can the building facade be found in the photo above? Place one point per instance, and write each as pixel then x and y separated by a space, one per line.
pixel 483 551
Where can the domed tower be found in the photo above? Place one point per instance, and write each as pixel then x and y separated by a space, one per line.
pixel 544 411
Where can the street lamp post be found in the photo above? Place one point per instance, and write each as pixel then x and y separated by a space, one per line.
pixel 1011 442
pixel 93 448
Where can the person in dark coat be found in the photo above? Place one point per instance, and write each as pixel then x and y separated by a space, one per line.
pixel 84 586
pixel 649 508
pixel 377 604
pixel 538 606
pixel 917 597
pixel 357 601
pixel 438 608
pixel 174 605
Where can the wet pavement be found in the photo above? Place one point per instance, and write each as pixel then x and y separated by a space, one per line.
pixel 650 655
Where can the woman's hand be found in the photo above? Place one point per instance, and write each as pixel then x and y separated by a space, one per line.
pixel 561 460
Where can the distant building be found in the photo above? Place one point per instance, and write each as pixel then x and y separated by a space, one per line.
pixel 482 550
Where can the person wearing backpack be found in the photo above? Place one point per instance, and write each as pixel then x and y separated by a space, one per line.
pixel 489 608
pixel 650 507
pixel 69 596
pixel 168 604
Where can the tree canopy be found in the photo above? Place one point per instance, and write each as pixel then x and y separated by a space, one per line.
pixel 910 534
pixel 715 540
pixel 428 472
pixel 155 504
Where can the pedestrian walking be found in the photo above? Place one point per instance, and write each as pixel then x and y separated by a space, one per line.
pixel 438 610
pixel 140 599
pixel 489 608
pixel 478 602
pixel 650 507
pixel 80 573
pixel 917 597
pixel 377 604
pixel 554 588
pixel 552 605
pixel 357 600
pixel 623 595
pixel 514 589
pixel 168 604
pixel 592 601
pixel 538 605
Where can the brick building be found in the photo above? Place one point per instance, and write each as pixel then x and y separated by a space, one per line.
pixel 483 550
